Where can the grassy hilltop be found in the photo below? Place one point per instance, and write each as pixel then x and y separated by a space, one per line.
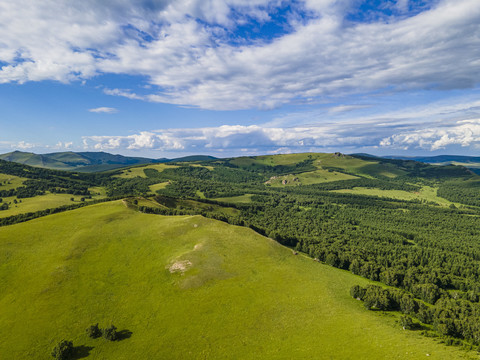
pixel 182 287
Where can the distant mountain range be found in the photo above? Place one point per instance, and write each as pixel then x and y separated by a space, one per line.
pixel 471 162
pixel 87 161
pixel 102 161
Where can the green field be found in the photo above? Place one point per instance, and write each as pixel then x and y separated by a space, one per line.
pixel 427 193
pixel 137 171
pixel 8 182
pixel 154 188
pixel 182 287
pixel 308 178
pixel 41 202
pixel 352 167
pixel 242 199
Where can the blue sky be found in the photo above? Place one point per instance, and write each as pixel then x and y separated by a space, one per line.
pixel 165 78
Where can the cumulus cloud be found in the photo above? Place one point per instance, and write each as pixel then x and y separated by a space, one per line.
pixel 464 133
pixel 233 138
pixel 186 50
pixel 23 145
pixel 346 128
pixel 107 110
pixel 67 145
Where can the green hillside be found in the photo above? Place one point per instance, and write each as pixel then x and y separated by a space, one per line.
pixel 72 161
pixel 182 287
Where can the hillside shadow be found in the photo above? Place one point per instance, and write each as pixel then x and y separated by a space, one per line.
pixel 80 352
pixel 124 334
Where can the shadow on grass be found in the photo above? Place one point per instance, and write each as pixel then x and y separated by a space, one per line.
pixel 124 334
pixel 417 327
pixel 80 352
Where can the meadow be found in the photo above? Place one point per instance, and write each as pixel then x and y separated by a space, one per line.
pixel 47 201
pixel 183 287
pixel 426 193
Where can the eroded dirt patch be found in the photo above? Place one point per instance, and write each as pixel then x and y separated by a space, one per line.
pixel 180 266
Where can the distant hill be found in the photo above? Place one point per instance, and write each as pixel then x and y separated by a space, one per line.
pixel 440 159
pixel 471 162
pixel 192 158
pixel 88 161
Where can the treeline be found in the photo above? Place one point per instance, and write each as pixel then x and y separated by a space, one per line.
pixel 421 170
pixel 39 181
pixel 271 170
pixel 461 191
pixel 394 184
pixel 452 316
pixel 217 174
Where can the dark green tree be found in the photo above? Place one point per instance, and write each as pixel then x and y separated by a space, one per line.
pixel 94 331
pixel 357 292
pixel 63 351
pixel 110 333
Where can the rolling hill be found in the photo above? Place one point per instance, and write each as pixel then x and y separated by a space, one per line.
pixel 182 287
pixel 88 161
pixel 82 161
pixel 471 162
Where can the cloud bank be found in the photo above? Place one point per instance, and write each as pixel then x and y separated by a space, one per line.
pixel 193 53
pixel 443 125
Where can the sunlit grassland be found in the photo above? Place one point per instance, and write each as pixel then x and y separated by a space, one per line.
pixel 203 166
pixel 8 182
pixel 310 177
pixel 154 188
pixel 137 171
pixel 42 202
pixel 243 296
pixel 242 199
pixel 426 193
pixel 98 191
pixel 323 161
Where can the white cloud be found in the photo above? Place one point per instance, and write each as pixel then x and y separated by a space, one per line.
pixel 67 145
pixel 183 49
pixel 443 125
pixel 107 110
pixel 465 133
pixel 253 139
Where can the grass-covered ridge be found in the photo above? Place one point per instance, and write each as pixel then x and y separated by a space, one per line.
pixel 182 287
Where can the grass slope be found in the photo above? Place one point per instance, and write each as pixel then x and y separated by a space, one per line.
pixel 426 193
pixel 137 171
pixel 243 296
pixel 8 182
pixel 47 201
pixel 72 161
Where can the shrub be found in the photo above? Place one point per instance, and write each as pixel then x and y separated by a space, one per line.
pixel 110 333
pixel 93 331
pixel 63 350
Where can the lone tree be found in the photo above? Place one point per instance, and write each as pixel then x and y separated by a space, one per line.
pixel 94 331
pixel 110 333
pixel 63 351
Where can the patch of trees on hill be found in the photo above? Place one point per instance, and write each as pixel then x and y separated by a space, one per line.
pixel 461 191
pixel 455 316
pixel 42 180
